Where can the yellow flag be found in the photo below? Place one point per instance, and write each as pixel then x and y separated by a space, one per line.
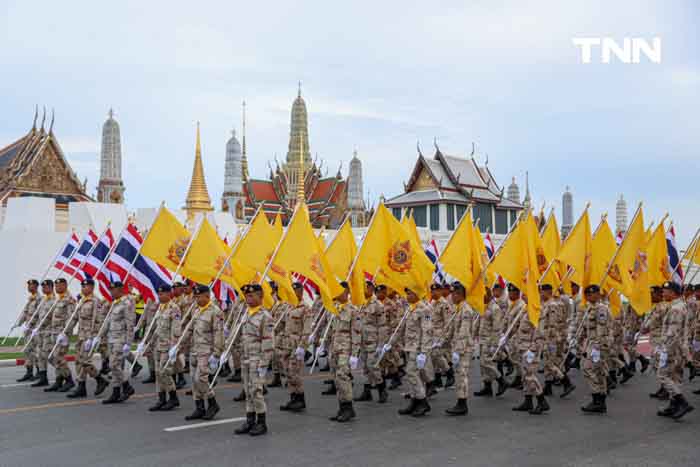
pixel 410 224
pixel 615 303
pixel 167 240
pixel 532 268
pixel 456 257
pixel 300 252
pixel 393 253
pixel 506 262
pixel 576 250
pixel 602 251
pixel 551 245
pixel 692 253
pixel 279 228
pixel 478 263
pixel 342 251
pixel 657 251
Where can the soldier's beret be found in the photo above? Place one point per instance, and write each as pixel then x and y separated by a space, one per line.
pixel 116 285
pixel 457 285
pixel 60 280
pixel 593 288
pixel 655 288
pixel 436 286
pixel 177 284
pixel 546 287
pixel 189 283
pixel 201 288
pixel 370 284
pixel 513 288
pixel 32 282
pixel 47 282
pixel 250 288
pixel 696 287
pixel 297 285
pixel 88 281
pixel 381 287
pixel 165 288
pixel 497 285
pixel 669 285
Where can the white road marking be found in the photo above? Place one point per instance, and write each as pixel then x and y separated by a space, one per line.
pixel 204 424
pixel 15 385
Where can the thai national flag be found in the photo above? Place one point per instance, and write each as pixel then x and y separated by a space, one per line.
pixel 434 255
pixel 145 275
pixel 223 292
pixel 310 286
pixel 619 237
pixel 490 250
pixel 80 256
pixel 63 260
pixel 95 263
pixel 673 258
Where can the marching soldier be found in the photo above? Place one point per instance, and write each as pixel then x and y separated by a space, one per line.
pixel 550 328
pixel 121 330
pixel 631 324
pixel 297 328
pixel 596 337
pixel 393 313
pixel 489 328
pixel 27 312
pixel 417 340
pixel 65 304
pixel 257 335
pixel 695 343
pixel 88 323
pixel 516 309
pixel 458 337
pixel 149 311
pixel 167 333
pixel 279 310
pixel 652 325
pixel 441 313
pixel 374 335
pixel 671 355
pixel 206 333
pixel 184 300
pixel 39 333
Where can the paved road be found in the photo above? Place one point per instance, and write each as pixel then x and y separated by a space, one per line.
pixel 39 429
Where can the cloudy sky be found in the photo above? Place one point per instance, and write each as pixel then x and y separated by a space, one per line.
pixel 376 76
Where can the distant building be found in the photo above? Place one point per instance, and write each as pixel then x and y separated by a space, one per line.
pixel 232 199
pixel 110 188
pixel 567 212
pixel 440 189
pixel 198 200
pixel 356 203
pixel 621 215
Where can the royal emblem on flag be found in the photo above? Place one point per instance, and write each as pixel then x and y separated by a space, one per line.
pixel 176 251
pixel 226 271
pixel 317 266
pixel 400 256
pixel 640 265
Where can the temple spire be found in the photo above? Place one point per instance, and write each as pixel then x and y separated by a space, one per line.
pixel 244 156
pixel 198 197
pixel 301 195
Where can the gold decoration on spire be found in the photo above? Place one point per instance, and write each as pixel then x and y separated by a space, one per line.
pixel 244 156
pixel 301 194
pixel 198 197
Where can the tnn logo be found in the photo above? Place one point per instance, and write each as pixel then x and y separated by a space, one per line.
pixel 630 51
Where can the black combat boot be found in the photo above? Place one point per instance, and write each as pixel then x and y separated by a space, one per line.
pixel 127 391
pixel 526 405
pixel 101 385
pixel 682 407
pixel 173 401
pixel 430 389
pixel 626 375
pixel 151 378
pixel 80 391
pixel 43 380
pixel 567 387
pixel 644 361
pixel 449 378
pixel 517 383
pixel 68 384
pixel 547 391
pixel 56 385
pixel 136 370
pixel 240 397
pixel 486 391
pixel 180 381
pixel 542 406
pixel 105 369
pixel 285 407
pixel 669 410
pixel 346 413
pixel 395 381
pixel 410 408
pixel 437 382
pixel 212 409
pixel 331 391
pixel 225 370
pixel 198 412
pixel 459 409
pixel 366 395
pixel 597 405
pixel 116 396
pixel 383 394
pixel 502 386
pixel 276 381
pixel 298 403
pixel 422 407
pixel 260 427
pixel 28 375
pixel 612 380
pixel 235 377
pixel 247 425
pixel 160 404
pixel 655 395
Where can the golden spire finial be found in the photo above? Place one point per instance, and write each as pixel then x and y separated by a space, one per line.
pixel 301 194
pixel 198 197
pixel 244 155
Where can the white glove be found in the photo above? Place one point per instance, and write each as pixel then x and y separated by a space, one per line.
pixel 23 328
pixel 87 345
pixel 386 348
pixel 354 362
pixel 213 363
pixel 95 342
pixel 696 345
pixel 223 358
pixel 529 356
pixel 35 331
pixel 227 331
pixel 140 348
pixel 62 339
pixel 172 353
pixel 595 355
pixel 420 361
pixel 663 358
pixel 636 337
pixel 573 352
pixel 319 351
pixel 300 352
pixel 436 344
pixel 126 348
pixel 311 339
pixel 502 341
pixel 455 358
pixel 262 372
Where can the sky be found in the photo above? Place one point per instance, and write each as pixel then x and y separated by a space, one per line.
pixel 378 77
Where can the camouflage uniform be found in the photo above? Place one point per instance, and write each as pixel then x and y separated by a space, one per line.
pixel 671 354
pixel 459 339
pixel 167 331
pixel 549 327
pixel 564 303
pixel 489 331
pixel 617 332
pixel 279 310
pixel 695 342
pixel 653 324
pixel 42 340
pixel 596 337
pixel 375 333
pixel 206 338
pixel 631 324
pixel 65 304
pixel 257 339
pixel 346 341
pixel 517 308
pixel 392 360
pixel 417 338
pixel 24 319
pixel 297 328
pixel 441 314
pixel 530 343
pixel 87 320
pixel 149 311
pixel 121 332
pixel 188 308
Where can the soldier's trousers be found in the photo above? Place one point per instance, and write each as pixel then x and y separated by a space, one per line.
pixel 551 364
pixel 439 357
pixel 83 363
pixel 148 354
pixel 595 374
pixel 116 363
pixel 293 368
pixel 30 351
pixel 343 383
pixel 531 384
pixel 487 364
pixel 164 377
pixel 462 375
pixel 417 379
pixel 200 379
pixel 370 369
pixel 58 361
pixel 253 384
pixel 670 376
pixel 516 358
pixel 44 346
